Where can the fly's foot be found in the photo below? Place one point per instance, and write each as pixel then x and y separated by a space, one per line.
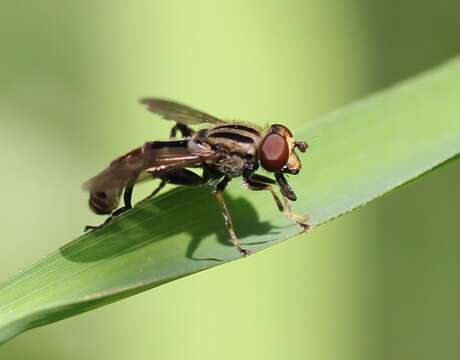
pixel 109 219
pixel 92 227
pixel 301 221
pixel 244 252
pixel 298 219
pixel 304 226
pixel 97 227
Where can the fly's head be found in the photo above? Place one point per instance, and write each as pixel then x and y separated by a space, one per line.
pixel 277 151
pixel 277 154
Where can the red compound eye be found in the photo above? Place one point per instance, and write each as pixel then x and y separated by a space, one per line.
pixel 273 152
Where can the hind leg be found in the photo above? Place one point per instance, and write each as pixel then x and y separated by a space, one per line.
pixel 186 132
pixel 178 177
pixel 183 129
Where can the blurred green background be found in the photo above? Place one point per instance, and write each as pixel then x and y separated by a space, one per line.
pixel 380 283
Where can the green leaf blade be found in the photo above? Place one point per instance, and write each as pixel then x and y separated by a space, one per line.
pixel 360 153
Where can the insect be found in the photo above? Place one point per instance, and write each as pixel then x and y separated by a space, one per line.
pixel 222 150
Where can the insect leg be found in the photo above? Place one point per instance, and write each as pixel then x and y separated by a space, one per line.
pixel 300 220
pixel 178 177
pixel 228 220
pixel 261 178
pixel 285 188
pixel 183 129
pixel 183 177
pixel 259 182
pixel 186 132
pixel 127 196
pixel 160 186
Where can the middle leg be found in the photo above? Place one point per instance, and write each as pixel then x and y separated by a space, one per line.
pixel 228 219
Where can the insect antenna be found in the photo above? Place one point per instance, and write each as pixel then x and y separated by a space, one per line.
pixel 304 145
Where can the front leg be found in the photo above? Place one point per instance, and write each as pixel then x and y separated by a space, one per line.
pixel 285 188
pixel 228 220
pixel 258 182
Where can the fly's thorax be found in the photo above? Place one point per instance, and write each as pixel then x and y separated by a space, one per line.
pixel 237 139
pixel 233 165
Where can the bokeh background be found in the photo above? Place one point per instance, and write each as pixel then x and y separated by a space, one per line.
pixel 380 283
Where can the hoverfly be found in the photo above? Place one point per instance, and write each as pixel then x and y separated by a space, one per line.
pixel 222 150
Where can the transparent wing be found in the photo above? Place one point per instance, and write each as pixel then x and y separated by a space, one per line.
pixel 180 113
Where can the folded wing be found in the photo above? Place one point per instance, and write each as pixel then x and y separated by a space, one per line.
pixel 149 161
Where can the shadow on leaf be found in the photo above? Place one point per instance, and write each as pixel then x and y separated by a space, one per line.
pixel 173 213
